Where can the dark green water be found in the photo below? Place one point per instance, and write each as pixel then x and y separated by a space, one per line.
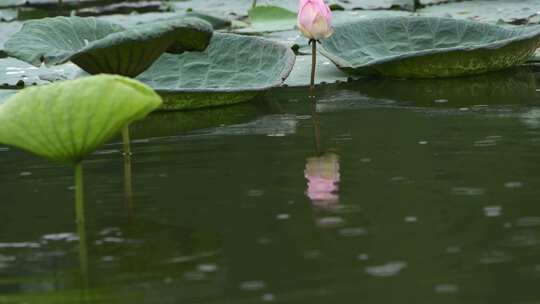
pixel 421 192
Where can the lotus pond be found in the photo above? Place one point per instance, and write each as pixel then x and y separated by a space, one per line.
pixel 243 188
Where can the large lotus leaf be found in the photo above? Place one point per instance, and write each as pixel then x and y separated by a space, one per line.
pixel 99 46
pixel 67 120
pixel 493 11
pixel 235 8
pixel 427 47
pixel 232 69
pixel 300 44
pixel 373 4
pixel 18 74
pixel 6 30
pixel 131 20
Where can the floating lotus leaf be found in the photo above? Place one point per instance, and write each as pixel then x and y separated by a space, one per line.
pixel 232 69
pixel 426 47
pixel 492 11
pixel 98 46
pixel 67 120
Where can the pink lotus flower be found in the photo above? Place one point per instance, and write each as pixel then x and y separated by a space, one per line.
pixel 323 178
pixel 315 19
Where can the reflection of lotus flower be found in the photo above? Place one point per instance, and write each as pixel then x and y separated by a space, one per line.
pixel 323 178
pixel 315 19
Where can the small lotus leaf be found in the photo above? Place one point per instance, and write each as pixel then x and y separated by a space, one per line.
pixel 99 46
pixel 67 120
pixel 232 69
pixel 428 47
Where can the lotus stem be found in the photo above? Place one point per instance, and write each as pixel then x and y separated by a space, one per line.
pixel 254 4
pixel 81 224
pixel 313 62
pixel 79 193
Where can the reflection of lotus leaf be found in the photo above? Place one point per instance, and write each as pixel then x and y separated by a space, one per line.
pixel 508 87
pixel 163 124
pixel 99 46
pixel 233 69
pixel 426 47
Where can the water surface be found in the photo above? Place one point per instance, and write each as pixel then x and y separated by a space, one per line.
pixel 416 192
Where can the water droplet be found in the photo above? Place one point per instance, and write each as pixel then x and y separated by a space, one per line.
pixel 283 216
pixel 25 173
pixel 108 259
pixel 255 193
pixel 252 285
pixel 446 288
pixel 268 297
pixel 363 257
pixel 387 270
pixel 440 101
pixel 423 142
pixel 453 249
pixel 207 268
pixel 352 232
pixel 312 254
pixel 20 245
pixel 411 219
pixel 528 222
pixel 467 191
pixel 264 241
pixel 67 237
pixel 513 185
pixel 330 222
pixel 492 211
pixel 194 276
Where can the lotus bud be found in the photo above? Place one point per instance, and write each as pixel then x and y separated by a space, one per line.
pixel 315 19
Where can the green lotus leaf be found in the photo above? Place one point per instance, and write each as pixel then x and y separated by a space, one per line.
pixel 99 46
pixel 427 47
pixel 67 120
pixel 271 19
pixel 232 69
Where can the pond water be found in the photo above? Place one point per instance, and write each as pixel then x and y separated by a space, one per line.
pixel 416 192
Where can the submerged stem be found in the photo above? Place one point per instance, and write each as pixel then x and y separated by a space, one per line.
pixel 81 225
pixel 126 140
pixel 128 187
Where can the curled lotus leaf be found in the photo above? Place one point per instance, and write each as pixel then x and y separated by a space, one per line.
pixel 99 46
pixel 65 121
pixel 233 69
pixel 428 47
